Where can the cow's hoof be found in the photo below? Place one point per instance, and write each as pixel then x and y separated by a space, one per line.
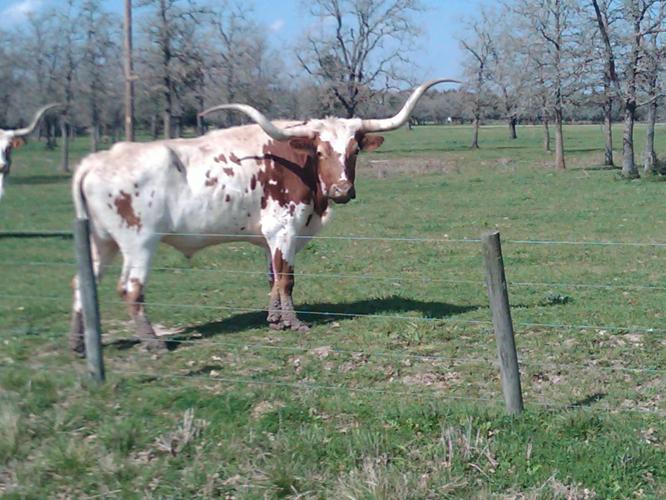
pixel 79 350
pixel 155 345
pixel 277 325
pixel 296 325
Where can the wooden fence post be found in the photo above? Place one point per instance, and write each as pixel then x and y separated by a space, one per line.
pixel 88 291
pixel 498 295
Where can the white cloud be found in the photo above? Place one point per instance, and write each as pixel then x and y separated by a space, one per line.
pixel 277 25
pixel 18 11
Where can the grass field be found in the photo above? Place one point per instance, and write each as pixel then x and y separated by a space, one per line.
pixel 397 394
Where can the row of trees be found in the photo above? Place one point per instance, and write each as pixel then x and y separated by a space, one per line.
pixel 542 61
pixel 547 58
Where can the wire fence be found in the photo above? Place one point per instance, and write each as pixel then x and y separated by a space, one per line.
pixel 619 365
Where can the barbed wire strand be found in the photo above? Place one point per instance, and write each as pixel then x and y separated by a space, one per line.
pixel 631 328
pixel 415 276
pixel 364 390
pixel 241 237
pixel 373 353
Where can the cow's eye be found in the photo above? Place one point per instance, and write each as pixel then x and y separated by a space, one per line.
pixel 319 154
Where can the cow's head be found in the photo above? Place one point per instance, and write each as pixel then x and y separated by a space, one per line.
pixel 12 139
pixel 334 143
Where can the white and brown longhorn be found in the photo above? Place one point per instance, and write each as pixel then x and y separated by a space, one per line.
pixel 270 184
pixel 12 139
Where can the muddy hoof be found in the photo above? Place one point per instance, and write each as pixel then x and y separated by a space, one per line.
pixel 297 326
pixel 154 345
pixel 79 350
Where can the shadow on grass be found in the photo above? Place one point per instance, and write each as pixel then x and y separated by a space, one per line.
pixel 34 180
pixel 323 313
pixel 588 401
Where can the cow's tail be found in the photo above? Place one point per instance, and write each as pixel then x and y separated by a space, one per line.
pixel 80 205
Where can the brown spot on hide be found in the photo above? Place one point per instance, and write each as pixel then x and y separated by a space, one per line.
pixel 17 142
pixel 307 222
pixel 109 205
pixel 110 195
pixel 253 183
pixel 136 194
pixel 221 158
pixel 227 198
pixel 235 159
pixel 123 203
pixel 210 181
pixel 243 228
pixel 292 209
pixel 228 171
pixel 136 186
pixel 290 176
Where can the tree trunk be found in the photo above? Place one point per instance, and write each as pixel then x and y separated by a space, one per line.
pixel 649 155
pixel 153 126
pixel 167 124
pixel 128 67
pixel 475 133
pixel 94 138
pixel 64 132
pixel 628 165
pixel 608 132
pixel 512 127
pixel 559 141
pixel 178 126
pixel 546 135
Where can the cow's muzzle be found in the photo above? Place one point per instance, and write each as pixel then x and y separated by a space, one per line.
pixel 342 192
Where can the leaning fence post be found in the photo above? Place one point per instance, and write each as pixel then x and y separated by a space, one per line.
pixel 88 291
pixel 498 294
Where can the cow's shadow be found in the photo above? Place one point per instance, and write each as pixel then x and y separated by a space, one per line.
pixel 33 180
pixel 324 313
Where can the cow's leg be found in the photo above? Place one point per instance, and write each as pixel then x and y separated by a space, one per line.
pixel 283 285
pixel 131 287
pixel 103 252
pixel 274 312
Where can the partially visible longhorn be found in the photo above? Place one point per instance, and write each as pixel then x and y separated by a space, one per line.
pixel 11 139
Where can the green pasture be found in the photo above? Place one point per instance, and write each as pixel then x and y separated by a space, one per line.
pixel 395 391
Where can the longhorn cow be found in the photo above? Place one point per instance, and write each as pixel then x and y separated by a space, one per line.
pixel 270 184
pixel 12 139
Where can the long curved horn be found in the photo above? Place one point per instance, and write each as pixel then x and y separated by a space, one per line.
pixel 399 120
pixel 276 133
pixel 40 112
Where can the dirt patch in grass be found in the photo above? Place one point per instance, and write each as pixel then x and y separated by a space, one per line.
pixel 382 169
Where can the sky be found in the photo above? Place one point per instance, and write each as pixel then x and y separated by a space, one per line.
pixel 439 54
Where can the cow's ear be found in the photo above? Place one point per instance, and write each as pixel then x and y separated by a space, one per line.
pixel 371 142
pixel 301 143
pixel 17 142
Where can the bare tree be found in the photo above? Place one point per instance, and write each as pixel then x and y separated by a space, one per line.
pixel 506 56
pixel 551 21
pixel 643 18
pixel 358 46
pixel 480 47
pixel 653 68
pixel 168 28
pixel 97 71
pixel 606 13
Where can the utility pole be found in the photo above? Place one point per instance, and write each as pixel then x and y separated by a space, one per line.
pixel 129 76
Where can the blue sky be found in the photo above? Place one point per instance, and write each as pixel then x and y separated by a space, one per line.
pixel 439 55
